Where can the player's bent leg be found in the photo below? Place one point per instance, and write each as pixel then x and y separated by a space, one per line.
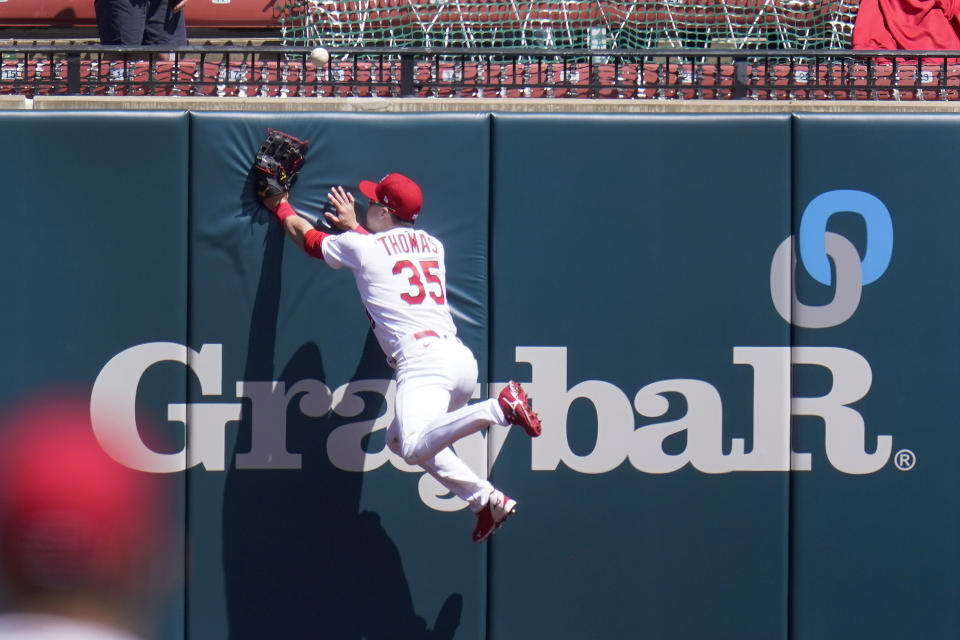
pixel 492 507
pixel 424 427
pixel 450 427
pixel 417 406
pixel 458 478
pixel 493 514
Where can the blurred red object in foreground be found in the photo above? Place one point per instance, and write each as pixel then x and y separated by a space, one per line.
pixel 80 532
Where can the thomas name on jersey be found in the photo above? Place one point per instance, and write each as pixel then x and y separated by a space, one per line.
pixel 407 242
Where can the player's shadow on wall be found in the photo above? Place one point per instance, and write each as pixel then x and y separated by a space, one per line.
pixel 300 559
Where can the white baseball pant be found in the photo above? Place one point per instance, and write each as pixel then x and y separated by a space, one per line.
pixel 436 377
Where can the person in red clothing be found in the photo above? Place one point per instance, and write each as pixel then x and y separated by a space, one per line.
pixel 912 25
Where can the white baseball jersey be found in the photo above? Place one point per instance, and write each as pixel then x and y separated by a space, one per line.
pixel 402 281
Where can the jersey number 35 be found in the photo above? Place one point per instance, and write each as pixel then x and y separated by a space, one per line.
pixel 427 270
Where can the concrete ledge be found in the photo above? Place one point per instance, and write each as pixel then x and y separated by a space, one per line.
pixel 517 105
pixel 12 103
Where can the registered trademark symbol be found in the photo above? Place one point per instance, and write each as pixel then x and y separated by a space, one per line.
pixel 905 459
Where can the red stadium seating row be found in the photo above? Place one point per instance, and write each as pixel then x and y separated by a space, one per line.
pixel 781 81
pixel 189 78
pixel 74 13
pixel 259 78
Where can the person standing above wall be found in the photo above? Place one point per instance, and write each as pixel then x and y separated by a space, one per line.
pixel 911 25
pixel 141 22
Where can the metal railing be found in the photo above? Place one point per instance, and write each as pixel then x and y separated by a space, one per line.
pixel 665 74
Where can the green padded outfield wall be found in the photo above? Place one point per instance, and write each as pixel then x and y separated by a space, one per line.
pixel 94 263
pixel 635 272
pixel 876 555
pixel 291 538
pixel 627 281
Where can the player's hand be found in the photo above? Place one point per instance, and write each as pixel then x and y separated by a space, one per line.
pixel 179 6
pixel 342 201
pixel 272 202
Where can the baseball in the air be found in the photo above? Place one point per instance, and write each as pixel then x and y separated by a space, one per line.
pixel 320 57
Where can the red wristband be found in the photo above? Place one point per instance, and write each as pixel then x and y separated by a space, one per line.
pixel 284 211
pixel 313 242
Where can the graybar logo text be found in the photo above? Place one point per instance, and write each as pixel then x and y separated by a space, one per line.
pixel 618 438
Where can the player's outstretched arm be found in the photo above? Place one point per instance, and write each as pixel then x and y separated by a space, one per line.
pixel 295 226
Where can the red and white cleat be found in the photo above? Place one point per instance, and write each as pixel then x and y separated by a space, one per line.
pixel 516 407
pixel 493 514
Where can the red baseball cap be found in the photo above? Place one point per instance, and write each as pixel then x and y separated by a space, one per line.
pixel 396 191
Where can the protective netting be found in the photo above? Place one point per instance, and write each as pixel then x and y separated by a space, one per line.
pixel 570 24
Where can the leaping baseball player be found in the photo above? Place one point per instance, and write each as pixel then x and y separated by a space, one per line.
pixel 401 277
